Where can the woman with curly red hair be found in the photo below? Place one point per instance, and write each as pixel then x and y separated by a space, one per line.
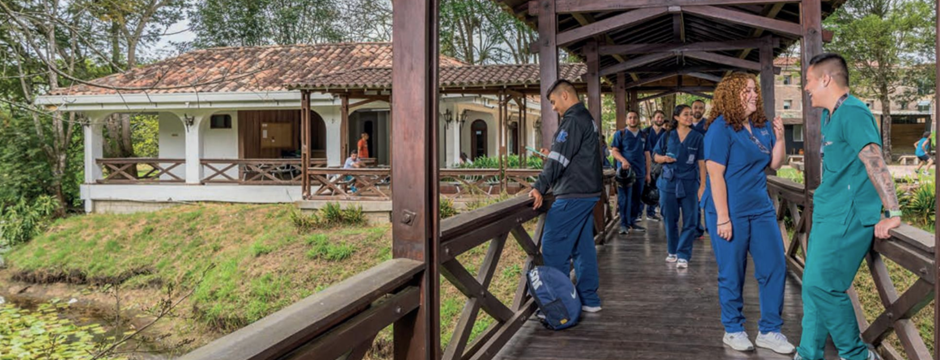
pixel 739 145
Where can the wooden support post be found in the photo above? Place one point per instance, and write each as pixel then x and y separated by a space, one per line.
pixel 501 139
pixel 620 101
pixel 548 66
pixel 344 127
pixel 811 21
pixel 415 215
pixel 593 81
pixel 634 101
pixel 305 148
pixel 936 124
pixel 767 78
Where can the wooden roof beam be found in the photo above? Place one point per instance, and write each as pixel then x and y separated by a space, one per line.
pixel 694 71
pixel 585 19
pixel 612 23
pixel 745 18
pixel 703 76
pixel 633 63
pixel 701 46
pixel 582 6
pixel 727 60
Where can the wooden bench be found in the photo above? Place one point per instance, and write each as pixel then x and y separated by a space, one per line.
pixel 908 160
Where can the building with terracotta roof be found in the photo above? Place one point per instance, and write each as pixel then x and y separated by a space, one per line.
pixel 909 119
pixel 230 119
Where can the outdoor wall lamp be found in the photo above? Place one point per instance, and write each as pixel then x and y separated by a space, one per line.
pixel 188 120
pixel 463 118
pixel 448 118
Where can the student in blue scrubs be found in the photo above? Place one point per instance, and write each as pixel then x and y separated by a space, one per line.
pixel 698 124
pixel 740 143
pixel 681 184
pixel 630 149
pixel 653 133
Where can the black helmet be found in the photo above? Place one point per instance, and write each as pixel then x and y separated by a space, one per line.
pixel 650 195
pixel 625 177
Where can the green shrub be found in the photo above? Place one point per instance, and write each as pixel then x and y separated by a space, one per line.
pixel 258 248
pixel 512 162
pixel 331 213
pixel 920 203
pixel 304 222
pixel 353 216
pixel 21 221
pixel 447 208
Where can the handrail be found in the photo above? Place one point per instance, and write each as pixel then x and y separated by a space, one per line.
pixel 910 247
pixel 323 315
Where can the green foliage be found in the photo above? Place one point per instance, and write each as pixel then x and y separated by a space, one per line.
pixel 512 162
pixel 21 221
pixel 258 248
pixel 266 22
pixel 39 334
pixel 919 204
pixel 332 214
pixel 447 208
pixel 322 248
pixel 791 174
pixel 145 135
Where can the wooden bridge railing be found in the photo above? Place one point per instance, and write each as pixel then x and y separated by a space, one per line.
pixel 127 171
pixel 911 248
pixel 343 320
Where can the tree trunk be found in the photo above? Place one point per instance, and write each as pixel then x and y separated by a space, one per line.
pixel 115 46
pixel 885 122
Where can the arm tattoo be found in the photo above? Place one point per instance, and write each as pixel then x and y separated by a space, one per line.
pixel 880 175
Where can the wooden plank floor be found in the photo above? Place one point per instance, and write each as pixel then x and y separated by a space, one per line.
pixel 653 311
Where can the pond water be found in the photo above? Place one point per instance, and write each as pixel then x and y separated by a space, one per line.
pixel 36 330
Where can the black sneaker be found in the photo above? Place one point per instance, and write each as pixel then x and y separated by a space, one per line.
pixel 638 228
pixel 652 217
pixel 623 229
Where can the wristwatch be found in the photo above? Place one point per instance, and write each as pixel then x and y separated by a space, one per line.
pixel 892 213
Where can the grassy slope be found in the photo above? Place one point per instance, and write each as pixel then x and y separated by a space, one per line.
pixel 260 261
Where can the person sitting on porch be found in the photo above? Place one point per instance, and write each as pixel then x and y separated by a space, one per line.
pixel 846 211
pixel 352 162
pixel 922 150
pixel 681 184
pixel 573 172
pixel 739 144
pixel 363 146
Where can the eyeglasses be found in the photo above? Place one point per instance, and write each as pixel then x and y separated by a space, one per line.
pixel 760 146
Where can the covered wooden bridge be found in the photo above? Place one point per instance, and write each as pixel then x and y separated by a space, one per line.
pixel 651 311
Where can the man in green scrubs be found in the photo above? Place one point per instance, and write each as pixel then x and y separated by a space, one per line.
pixel 846 211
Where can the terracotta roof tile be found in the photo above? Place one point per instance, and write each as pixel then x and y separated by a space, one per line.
pixel 474 76
pixel 243 69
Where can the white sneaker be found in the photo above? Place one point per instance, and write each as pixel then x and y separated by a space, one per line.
pixel 775 341
pixel 738 341
pixel 590 309
pixel 671 258
pixel 682 264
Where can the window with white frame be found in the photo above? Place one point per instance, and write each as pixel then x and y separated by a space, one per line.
pixel 797 133
pixel 787 104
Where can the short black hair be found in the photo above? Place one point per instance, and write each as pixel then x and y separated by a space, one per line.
pixel 835 66
pixel 659 112
pixel 699 100
pixel 926 134
pixel 633 112
pixel 561 84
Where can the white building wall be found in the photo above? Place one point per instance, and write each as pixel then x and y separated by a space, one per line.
pixel 172 141
pixel 492 132
pixel 221 143
pixel 333 120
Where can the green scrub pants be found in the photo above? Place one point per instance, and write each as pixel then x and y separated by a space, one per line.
pixel 835 252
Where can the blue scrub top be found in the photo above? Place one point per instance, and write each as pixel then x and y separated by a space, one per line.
pixel 687 154
pixel 700 127
pixel 652 138
pixel 632 147
pixel 744 163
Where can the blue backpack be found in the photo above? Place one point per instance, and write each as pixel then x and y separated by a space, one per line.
pixel 556 297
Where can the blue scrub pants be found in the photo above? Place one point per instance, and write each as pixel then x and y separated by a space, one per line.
pixel 628 202
pixel 835 252
pixel 759 235
pixel 680 243
pixel 569 236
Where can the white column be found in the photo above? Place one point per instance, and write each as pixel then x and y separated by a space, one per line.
pixel 455 136
pixel 94 149
pixel 193 123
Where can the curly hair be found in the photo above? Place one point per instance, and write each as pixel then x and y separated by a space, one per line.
pixel 727 102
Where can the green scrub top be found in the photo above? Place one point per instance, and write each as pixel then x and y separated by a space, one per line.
pixel 845 184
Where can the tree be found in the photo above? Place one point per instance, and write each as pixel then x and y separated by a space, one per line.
pixel 885 43
pixel 264 22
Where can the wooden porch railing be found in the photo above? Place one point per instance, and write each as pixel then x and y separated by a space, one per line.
pixel 343 320
pixel 371 184
pixel 121 170
pixel 472 182
pixel 911 248
pixel 252 171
